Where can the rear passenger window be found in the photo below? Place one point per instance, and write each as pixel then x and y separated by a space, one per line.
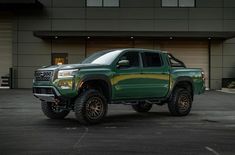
pixel 151 59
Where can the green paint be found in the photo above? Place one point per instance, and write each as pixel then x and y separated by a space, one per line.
pixel 131 83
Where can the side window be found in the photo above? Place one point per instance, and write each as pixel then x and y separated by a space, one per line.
pixel 151 59
pixel 132 59
pixel 175 62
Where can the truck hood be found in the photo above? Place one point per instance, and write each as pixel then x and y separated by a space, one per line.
pixel 72 66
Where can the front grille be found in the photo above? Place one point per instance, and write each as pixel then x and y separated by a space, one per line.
pixel 43 91
pixel 43 75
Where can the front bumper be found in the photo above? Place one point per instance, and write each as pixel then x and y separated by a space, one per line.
pixel 46 93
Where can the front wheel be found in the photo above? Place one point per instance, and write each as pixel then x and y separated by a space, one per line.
pixel 180 103
pixel 51 111
pixel 142 107
pixel 90 107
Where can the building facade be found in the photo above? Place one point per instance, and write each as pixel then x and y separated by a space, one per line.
pixel 43 32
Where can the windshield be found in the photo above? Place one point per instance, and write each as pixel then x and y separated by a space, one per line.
pixel 103 57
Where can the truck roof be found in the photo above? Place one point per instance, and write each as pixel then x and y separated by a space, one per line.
pixel 136 49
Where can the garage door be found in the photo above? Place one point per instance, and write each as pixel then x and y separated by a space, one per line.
pixel 193 53
pixel 5 47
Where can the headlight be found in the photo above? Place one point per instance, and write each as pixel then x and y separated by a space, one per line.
pixel 66 73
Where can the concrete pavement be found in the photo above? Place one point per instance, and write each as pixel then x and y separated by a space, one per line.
pixel 209 129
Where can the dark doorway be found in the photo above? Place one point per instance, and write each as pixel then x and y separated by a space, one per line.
pixel 59 58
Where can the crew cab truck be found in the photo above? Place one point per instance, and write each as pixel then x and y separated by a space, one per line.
pixel 138 77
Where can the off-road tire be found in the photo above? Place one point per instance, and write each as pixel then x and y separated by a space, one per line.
pixel 47 109
pixel 180 102
pixel 83 107
pixel 142 107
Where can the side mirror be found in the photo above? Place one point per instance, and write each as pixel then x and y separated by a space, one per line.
pixel 123 63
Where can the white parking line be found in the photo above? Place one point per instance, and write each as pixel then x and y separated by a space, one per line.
pixel 212 150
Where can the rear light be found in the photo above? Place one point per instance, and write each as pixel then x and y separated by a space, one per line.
pixel 203 76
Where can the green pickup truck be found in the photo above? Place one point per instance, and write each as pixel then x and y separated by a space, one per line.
pixel 137 77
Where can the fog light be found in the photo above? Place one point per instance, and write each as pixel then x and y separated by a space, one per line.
pixel 65 84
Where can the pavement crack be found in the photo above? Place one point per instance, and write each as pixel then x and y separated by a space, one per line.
pixel 212 150
pixel 77 144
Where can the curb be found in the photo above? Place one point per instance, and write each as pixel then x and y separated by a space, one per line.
pixel 227 90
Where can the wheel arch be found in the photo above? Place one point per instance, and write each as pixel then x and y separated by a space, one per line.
pixel 99 82
pixel 184 82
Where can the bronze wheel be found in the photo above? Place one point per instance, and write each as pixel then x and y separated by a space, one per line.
pixel 94 108
pixel 181 102
pixel 90 107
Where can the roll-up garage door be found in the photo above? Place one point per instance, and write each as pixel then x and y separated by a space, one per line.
pixel 5 46
pixel 193 53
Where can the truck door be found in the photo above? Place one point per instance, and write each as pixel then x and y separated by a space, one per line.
pixel 127 76
pixel 155 75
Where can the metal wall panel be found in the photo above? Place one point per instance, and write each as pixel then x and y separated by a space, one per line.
pixel 171 13
pixel 216 61
pixel 35 24
pixel 229 13
pixel 68 25
pixel 68 3
pixel 34 48
pixel 229 25
pixel 171 25
pixel 205 25
pixel 68 13
pixel 5 46
pixel 216 73
pixel 206 13
pixel 136 25
pixel 216 64
pixel 102 25
pixel 229 3
pixel 26 72
pixel 229 49
pixel 216 84
pixel 102 13
pixel 229 61
pixel 27 37
pixel 209 3
pixel 136 13
pixel 34 60
pixel 139 3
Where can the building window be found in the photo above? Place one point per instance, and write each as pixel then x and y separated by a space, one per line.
pixel 169 3
pixel 186 3
pixel 102 3
pixel 178 3
pixel 94 3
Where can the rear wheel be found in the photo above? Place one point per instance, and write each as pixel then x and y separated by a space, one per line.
pixel 90 107
pixel 142 107
pixel 180 103
pixel 52 111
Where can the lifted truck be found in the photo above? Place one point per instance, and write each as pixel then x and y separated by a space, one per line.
pixel 138 77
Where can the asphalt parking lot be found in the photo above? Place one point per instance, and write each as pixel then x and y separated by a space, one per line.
pixel 209 129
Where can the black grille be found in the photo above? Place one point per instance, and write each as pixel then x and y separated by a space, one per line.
pixel 43 75
pixel 43 90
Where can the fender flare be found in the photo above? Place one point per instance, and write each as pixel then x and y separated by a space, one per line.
pixel 92 77
pixel 181 79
